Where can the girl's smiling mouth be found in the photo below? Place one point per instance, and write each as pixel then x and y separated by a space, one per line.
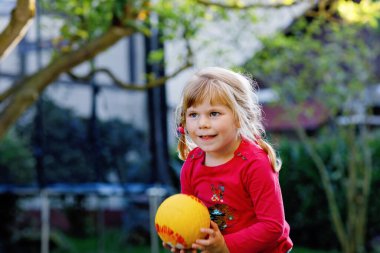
pixel 207 137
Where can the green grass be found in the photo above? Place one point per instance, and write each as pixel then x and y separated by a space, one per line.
pixel 113 241
pixel 305 250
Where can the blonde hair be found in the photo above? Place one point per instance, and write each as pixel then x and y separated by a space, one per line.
pixel 219 85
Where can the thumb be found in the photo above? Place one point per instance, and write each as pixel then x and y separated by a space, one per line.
pixel 214 226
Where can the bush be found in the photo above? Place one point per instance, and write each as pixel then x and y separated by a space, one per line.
pixel 16 160
pixel 304 198
pixel 76 150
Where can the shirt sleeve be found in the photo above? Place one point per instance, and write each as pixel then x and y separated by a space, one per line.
pixel 263 185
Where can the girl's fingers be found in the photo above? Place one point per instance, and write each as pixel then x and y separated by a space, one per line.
pixel 203 242
pixel 196 246
pixel 208 231
pixel 214 225
pixel 165 245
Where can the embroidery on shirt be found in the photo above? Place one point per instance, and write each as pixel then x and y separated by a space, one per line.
pixel 219 213
pixel 217 193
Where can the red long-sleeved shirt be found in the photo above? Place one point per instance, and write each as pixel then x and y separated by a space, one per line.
pixel 243 197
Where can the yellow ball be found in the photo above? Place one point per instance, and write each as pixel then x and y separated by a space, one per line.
pixel 179 219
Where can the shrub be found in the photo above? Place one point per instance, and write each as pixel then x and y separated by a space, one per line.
pixel 304 198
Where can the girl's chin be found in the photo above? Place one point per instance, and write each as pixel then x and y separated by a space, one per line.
pixel 208 144
pixel 207 148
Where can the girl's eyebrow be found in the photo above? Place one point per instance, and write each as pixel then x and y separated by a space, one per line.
pixel 190 111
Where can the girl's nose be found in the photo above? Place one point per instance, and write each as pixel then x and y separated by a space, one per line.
pixel 203 122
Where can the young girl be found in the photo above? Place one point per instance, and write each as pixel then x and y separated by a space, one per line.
pixel 229 166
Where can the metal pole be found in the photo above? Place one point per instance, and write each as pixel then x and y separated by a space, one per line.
pixel 155 195
pixel 45 219
pixel 100 221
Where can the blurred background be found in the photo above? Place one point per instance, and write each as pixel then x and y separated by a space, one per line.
pixel 88 90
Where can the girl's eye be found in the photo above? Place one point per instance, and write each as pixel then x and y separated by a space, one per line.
pixel 192 115
pixel 214 114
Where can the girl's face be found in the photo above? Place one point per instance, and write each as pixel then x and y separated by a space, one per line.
pixel 214 129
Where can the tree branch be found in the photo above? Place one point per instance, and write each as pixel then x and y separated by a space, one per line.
pixel 242 6
pixel 29 88
pixel 326 9
pixel 134 86
pixel 7 93
pixel 327 185
pixel 21 18
pixel 129 86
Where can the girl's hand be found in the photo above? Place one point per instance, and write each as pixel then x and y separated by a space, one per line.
pixel 174 250
pixel 214 243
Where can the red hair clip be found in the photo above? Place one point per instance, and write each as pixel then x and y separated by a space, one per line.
pixel 180 130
